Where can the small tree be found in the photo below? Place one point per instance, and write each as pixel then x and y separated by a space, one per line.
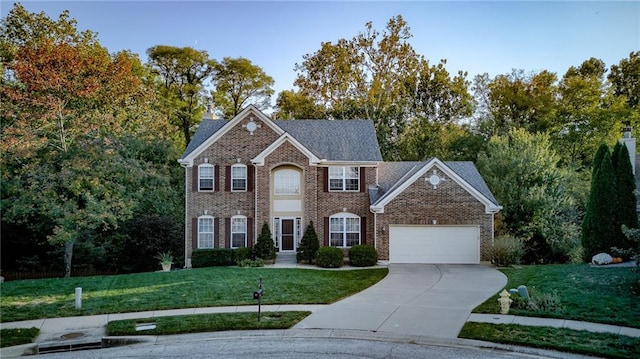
pixel 264 248
pixel 626 198
pixel 309 245
pixel 599 223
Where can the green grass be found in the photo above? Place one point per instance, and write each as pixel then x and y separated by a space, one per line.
pixel 11 337
pixel 601 295
pixel 208 323
pixel 202 287
pixel 561 339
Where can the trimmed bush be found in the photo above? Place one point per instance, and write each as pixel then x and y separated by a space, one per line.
pixel 329 257
pixel 309 245
pixel 251 263
pixel 264 248
pixel 242 254
pixel 363 255
pixel 213 257
pixel 506 251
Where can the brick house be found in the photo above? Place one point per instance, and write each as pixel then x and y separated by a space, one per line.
pixel 250 170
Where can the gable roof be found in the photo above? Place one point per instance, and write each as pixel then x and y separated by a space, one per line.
pixel 395 177
pixel 336 140
pixel 330 140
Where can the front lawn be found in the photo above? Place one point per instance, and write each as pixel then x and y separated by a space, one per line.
pixel 561 339
pixel 601 295
pixel 202 287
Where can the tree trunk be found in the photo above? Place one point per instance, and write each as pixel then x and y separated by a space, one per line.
pixel 68 255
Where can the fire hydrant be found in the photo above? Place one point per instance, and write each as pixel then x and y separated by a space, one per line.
pixel 505 302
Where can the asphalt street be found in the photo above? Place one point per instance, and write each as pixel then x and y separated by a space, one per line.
pixel 302 347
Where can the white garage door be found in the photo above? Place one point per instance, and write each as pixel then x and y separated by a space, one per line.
pixel 434 244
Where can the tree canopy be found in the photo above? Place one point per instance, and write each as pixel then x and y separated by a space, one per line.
pixel 239 83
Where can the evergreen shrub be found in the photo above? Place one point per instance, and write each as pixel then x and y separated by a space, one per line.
pixel 213 257
pixel 363 255
pixel 309 245
pixel 329 257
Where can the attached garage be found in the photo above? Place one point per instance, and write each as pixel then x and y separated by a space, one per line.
pixel 434 244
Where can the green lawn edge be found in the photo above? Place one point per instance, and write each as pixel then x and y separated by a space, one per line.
pixel 586 293
pixel 215 322
pixel 17 336
pixel 559 339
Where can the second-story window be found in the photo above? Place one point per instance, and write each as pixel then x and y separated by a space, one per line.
pixel 344 178
pixel 238 178
pixel 205 177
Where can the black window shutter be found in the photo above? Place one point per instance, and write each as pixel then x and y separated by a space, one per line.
pixel 250 232
pixel 216 232
pixel 194 233
pixel 363 230
pixel 250 177
pixel 216 179
pixel 325 179
pixel 194 179
pixel 361 180
pixel 326 231
pixel 227 180
pixel 227 232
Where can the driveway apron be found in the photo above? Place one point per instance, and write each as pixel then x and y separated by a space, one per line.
pixel 417 299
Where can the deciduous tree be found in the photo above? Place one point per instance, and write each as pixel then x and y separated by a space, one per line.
pixel 182 72
pixel 239 83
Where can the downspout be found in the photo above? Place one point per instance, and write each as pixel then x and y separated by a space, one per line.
pixel 186 222
pixel 255 204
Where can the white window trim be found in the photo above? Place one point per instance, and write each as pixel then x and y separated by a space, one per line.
pixel 343 178
pixel 213 176
pixel 231 244
pixel 343 217
pixel 246 178
pixel 213 232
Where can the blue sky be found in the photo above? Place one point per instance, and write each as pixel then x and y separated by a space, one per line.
pixel 474 36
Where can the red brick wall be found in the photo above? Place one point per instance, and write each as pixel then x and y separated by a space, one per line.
pixel 448 204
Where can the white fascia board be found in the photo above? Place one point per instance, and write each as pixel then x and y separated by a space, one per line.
pixel 490 207
pixel 229 125
pixel 186 162
pixel 285 137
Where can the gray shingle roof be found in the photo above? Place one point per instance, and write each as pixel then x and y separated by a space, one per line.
pixel 204 131
pixel 333 140
pixel 393 174
pixel 336 140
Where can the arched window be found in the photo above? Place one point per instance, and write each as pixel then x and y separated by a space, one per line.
pixel 238 231
pixel 344 230
pixel 238 178
pixel 205 232
pixel 205 177
pixel 287 181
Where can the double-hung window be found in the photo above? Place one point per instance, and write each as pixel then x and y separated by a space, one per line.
pixel 238 178
pixel 205 232
pixel 344 178
pixel 205 177
pixel 344 230
pixel 238 232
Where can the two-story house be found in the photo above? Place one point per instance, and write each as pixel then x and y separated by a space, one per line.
pixel 250 170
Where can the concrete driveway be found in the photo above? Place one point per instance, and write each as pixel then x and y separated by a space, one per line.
pixel 416 299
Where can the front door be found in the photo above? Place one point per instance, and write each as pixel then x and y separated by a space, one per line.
pixel 287 235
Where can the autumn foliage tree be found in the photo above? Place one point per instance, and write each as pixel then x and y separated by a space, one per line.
pixel 62 99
